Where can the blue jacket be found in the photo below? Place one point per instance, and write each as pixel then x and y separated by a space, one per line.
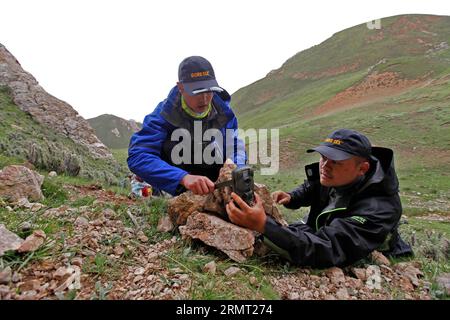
pixel 145 153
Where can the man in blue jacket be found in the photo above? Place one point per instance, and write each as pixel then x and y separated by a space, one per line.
pixel 354 206
pixel 195 120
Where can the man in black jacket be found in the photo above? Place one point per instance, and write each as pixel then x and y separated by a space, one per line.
pixel 355 206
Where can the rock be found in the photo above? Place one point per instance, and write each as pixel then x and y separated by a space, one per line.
pixel 293 296
pixel 20 182
pixel 23 203
pixel 410 271
pixel 81 222
pixel 25 226
pixel 77 261
pixel 165 224
pixel 269 206
pixel 16 277
pixel 360 273
pixel 73 281
pixel 36 206
pixel 47 110
pixel 5 275
pixel 354 283
pixel 139 271
pixel 181 207
pixel 342 294
pixel 307 295
pixel 33 241
pixel 119 250
pixel 233 240
pixel 336 275
pixel 142 237
pixel 253 280
pixel 405 284
pixel 8 240
pixel 52 174
pixel 33 284
pixel 443 281
pixel 231 271
pixel 4 291
pixel 109 213
pixel 379 258
pixel 373 275
pixel 210 267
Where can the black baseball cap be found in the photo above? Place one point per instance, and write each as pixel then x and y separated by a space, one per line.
pixel 343 144
pixel 197 76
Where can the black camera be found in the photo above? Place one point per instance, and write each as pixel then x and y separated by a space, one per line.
pixel 243 184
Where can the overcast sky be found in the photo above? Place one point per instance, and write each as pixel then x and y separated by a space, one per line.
pixel 121 56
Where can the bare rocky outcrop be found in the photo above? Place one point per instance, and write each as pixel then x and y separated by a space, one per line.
pixel 49 111
pixel 204 218
pixel 17 182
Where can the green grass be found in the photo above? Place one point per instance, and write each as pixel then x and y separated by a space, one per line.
pixel 191 257
pixel 24 139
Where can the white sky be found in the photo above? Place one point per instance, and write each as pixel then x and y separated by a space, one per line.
pixel 121 56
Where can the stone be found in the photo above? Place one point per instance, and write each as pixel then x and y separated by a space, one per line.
pixel 52 174
pixel 231 271
pixel 210 267
pixel 73 281
pixel 373 274
pixel 165 224
pixel 81 222
pixel 360 273
pixel 142 237
pixel 18 182
pixel 379 258
pixel 253 280
pixel 47 110
pixel 410 271
pixel 77 261
pixel 25 226
pixel 342 294
pixel 235 241
pixel 6 275
pixel 336 275
pixel 181 207
pixel 33 242
pixel 8 240
pixel 443 281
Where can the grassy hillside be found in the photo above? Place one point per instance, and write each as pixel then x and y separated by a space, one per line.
pixel 23 139
pixel 411 45
pixel 113 131
pixel 392 84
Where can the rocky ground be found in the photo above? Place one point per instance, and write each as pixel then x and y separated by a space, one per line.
pixel 114 247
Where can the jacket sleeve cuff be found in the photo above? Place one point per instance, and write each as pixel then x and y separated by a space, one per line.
pixel 271 228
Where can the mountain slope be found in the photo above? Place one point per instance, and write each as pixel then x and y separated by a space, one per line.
pixel 45 131
pixel 113 131
pixel 412 46
pixel 392 84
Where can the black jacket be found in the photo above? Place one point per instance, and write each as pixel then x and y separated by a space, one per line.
pixel 344 224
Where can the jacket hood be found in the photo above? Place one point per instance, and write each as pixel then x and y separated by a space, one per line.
pixel 383 175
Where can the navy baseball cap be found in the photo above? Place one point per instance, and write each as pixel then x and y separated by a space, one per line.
pixel 197 76
pixel 343 144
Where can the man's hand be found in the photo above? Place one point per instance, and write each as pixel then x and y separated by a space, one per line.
pixel 281 197
pixel 197 184
pixel 253 218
